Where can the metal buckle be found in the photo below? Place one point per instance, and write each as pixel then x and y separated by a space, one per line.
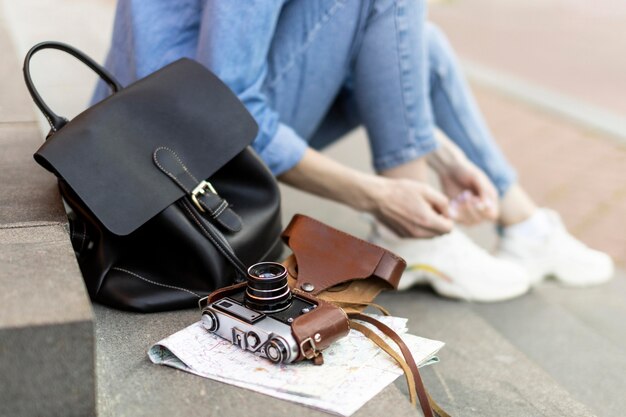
pixel 312 351
pixel 201 189
pixel 203 302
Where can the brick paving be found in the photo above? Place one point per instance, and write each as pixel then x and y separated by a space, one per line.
pixel 580 174
pixel 570 46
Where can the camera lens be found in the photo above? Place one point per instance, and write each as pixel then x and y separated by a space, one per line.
pixel 268 290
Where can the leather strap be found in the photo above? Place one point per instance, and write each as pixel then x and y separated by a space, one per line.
pixel 319 328
pixel 208 200
pixel 326 257
pixel 419 385
pixel 215 236
pixel 440 412
pixel 370 334
pixel 410 377
pixel 56 121
pixel 224 292
pixel 357 307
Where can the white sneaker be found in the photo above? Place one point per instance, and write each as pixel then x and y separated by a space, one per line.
pixel 454 266
pixel 559 254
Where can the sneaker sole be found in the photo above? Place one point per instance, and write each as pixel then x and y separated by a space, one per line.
pixel 567 278
pixel 445 286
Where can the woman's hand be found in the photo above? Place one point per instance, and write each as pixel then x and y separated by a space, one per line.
pixel 473 197
pixel 411 208
pixel 408 207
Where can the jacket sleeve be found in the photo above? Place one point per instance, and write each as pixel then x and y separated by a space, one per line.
pixel 234 41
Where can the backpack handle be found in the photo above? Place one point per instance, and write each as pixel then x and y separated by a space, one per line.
pixel 56 121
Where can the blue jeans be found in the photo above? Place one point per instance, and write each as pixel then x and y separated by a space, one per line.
pixel 335 65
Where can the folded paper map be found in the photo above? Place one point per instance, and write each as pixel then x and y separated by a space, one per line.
pixel 354 368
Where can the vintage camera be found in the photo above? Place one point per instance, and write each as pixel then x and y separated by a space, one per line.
pixel 264 316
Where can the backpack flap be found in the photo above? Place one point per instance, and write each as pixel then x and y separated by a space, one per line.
pixel 105 154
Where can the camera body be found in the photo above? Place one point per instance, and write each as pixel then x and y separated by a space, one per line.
pixel 266 317
pixel 266 334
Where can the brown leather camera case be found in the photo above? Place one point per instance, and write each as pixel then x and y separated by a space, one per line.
pixel 336 266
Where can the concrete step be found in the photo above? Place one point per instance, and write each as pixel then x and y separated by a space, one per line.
pixel 29 193
pixel 46 324
pixel 576 335
pixel 601 308
pixel 46 329
pixel 481 373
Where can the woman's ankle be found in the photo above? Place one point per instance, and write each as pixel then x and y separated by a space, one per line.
pixel 515 207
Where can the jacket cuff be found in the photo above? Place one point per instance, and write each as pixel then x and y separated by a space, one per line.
pixel 283 151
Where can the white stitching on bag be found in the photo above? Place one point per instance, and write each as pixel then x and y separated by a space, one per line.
pixel 156 161
pixel 154 282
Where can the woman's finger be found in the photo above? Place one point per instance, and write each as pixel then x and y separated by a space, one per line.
pixel 485 188
pixel 437 200
pixel 468 214
pixel 436 223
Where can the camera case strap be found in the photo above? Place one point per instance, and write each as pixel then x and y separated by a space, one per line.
pixel 349 272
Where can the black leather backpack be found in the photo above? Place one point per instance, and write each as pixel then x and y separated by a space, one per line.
pixel 168 201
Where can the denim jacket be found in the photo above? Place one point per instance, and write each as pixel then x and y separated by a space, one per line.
pixel 230 37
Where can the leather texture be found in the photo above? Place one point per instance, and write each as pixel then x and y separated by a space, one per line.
pixel 422 394
pixel 127 167
pixel 182 107
pixel 352 295
pixel 56 121
pixel 408 373
pixel 224 292
pixel 319 328
pixel 338 266
pixel 210 202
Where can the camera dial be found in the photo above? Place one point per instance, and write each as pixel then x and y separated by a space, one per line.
pixel 268 290
pixel 209 321
pixel 276 351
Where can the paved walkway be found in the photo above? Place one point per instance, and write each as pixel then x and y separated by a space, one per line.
pixel 571 46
